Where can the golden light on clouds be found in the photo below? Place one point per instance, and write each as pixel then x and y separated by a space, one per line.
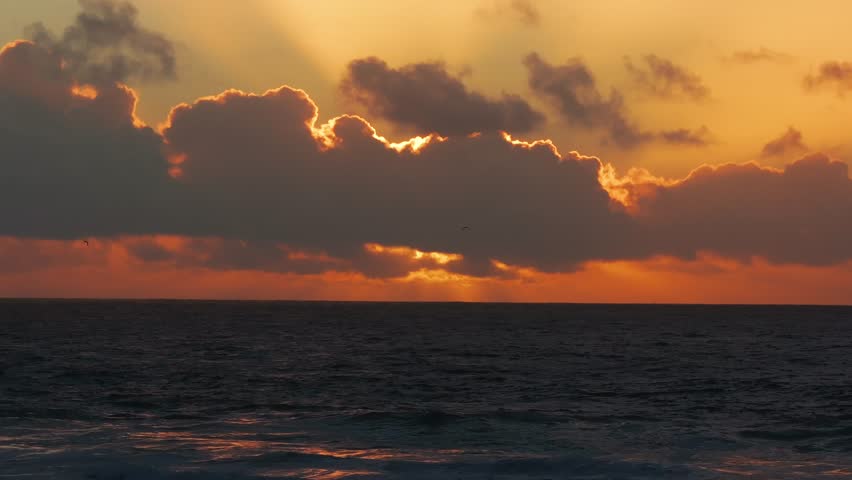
pixel 530 145
pixel 413 254
pixel 85 91
pixel 414 144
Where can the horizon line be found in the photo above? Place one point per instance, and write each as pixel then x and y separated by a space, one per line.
pixel 463 302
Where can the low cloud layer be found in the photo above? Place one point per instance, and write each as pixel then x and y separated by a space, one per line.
pixel 106 44
pixel 573 90
pixel 252 182
pixel 832 75
pixel 789 142
pixel 426 97
pixel 661 78
pixel 795 215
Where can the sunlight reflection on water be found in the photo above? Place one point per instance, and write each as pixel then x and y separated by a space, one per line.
pixel 751 467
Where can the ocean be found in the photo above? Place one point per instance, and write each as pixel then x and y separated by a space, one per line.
pixel 130 390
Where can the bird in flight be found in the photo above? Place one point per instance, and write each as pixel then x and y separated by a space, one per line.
pixel 465 228
pixel 86 243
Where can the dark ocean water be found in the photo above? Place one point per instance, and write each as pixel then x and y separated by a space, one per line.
pixel 152 390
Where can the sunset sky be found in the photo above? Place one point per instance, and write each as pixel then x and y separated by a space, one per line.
pixel 599 151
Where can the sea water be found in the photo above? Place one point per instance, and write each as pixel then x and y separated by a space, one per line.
pixel 178 389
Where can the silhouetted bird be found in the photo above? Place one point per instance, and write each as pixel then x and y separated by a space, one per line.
pixel 465 228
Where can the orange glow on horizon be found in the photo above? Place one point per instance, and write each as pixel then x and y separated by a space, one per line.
pixel 439 276
pixel 52 268
pixel 519 272
pixel 413 254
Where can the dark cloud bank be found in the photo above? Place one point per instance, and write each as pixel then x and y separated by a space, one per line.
pixel 426 97
pixel 261 186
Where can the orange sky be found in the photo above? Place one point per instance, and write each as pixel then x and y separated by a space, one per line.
pixel 771 91
pixel 104 270
pixel 661 280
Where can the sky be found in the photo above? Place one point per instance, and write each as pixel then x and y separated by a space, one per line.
pixel 483 150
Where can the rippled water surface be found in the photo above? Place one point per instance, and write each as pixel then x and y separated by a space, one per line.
pixel 138 390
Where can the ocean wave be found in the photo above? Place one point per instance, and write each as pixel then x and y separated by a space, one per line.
pixel 300 466
pixel 796 434
pixel 198 390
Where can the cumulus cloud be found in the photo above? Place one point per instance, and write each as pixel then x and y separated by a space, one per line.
pixel 338 187
pixel 257 184
pixel 831 74
pixel 663 79
pixel 106 44
pixel 573 90
pixel 788 142
pixel 762 54
pixel 426 97
pixel 257 168
pixel 74 163
pixel 795 215
pixel 524 11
